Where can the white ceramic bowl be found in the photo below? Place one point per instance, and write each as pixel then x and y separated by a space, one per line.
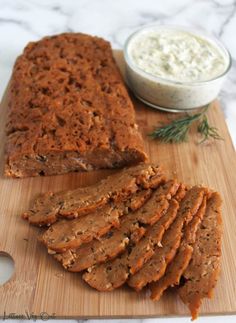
pixel 172 95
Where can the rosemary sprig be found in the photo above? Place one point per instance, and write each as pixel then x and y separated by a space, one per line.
pixel 178 130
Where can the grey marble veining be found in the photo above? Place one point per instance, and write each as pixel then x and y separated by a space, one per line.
pixel 22 21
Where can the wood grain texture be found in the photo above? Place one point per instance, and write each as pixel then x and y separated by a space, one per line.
pixel 40 284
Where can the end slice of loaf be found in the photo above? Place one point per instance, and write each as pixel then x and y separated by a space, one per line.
pixel 203 271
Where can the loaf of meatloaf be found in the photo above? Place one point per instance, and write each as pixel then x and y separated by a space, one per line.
pixel 69 109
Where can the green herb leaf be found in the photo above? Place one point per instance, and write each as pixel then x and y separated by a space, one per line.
pixel 207 131
pixel 177 131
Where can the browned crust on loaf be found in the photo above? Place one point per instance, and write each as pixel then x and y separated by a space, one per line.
pixel 71 204
pixel 69 109
pixel 180 262
pixel 131 230
pixel 155 268
pixel 203 271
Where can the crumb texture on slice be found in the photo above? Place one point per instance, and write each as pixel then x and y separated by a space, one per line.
pixel 155 268
pixel 180 262
pixel 132 228
pixel 66 234
pixel 103 277
pixel 202 273
pixel 48 207
pixel 138 228
pixel 142 252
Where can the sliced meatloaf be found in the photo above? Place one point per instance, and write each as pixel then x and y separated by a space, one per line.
pixel 132 228
pixel 201 275
pixel 139 228
pixel 47 208
pixel 114 273
pixel 143 251
pixel 155 268
pixel 66 234
pixel 180 262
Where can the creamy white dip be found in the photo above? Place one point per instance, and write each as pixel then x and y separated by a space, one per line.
pixel 174 69
pixel 177 55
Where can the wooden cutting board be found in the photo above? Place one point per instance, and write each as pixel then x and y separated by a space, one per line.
pixel 40 284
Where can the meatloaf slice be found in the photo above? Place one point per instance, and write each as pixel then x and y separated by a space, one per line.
pixel 114 273
pixel 155 268
pixel 144 250
pixel 180 194
pixel 131 229
pixel 108 245
pixel 69 109
pixel 202 273
pixel 180 262
pixel 67 234
pixel 48 207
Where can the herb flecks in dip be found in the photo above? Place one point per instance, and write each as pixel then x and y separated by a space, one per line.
pixel 175 68
pixel 177 55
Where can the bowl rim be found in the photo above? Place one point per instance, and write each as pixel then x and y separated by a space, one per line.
pixel 200 33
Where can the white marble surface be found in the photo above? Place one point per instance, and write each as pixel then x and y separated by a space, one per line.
pixel 22 21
